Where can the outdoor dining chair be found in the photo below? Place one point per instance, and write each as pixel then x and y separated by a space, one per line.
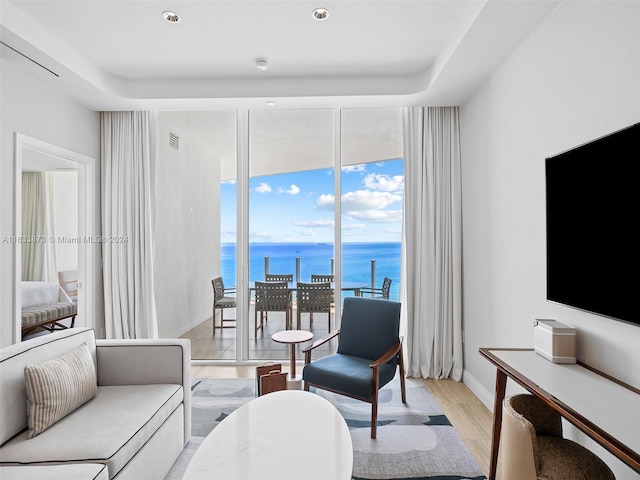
pixel 378 292
pixel 314 298
pixel 278 277
pixel 322 278
pixel 222 300
pixel 271 297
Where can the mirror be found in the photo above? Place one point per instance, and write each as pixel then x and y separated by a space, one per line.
pixel 68 245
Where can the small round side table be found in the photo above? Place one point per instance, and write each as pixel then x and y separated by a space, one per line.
pixel 293 337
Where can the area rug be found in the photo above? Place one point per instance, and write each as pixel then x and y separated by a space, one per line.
pixel 414 441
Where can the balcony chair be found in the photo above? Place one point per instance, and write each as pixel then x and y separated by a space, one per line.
pixel 377 292
pixel 322 278
pixel 278 277
pixel 222 300
pixel 369 350
pixel 272 297
pixel 314 298
pixel 532 446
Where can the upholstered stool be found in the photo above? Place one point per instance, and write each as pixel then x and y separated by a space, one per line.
pixel 532 446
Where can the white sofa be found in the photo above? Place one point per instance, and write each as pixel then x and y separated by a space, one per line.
pixel 134 427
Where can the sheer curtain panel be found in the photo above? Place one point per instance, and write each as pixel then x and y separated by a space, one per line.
pixel 432 269
pixel 127 214
pixel 39 253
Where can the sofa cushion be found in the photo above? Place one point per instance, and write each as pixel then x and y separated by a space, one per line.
pixel 57 387
pixel 84 471
pixel 13 360
pixel 109 429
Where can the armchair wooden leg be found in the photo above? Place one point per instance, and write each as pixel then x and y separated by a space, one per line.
pixel 374 414
pixel 374 402
pixel 401 365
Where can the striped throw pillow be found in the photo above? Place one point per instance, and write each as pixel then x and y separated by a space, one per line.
pixel 57 387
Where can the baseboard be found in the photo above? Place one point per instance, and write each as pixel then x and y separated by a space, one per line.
pixel 485 396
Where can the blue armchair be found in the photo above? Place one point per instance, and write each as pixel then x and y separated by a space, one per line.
pixel 369 350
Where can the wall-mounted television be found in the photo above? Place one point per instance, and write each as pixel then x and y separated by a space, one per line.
pixel 593 219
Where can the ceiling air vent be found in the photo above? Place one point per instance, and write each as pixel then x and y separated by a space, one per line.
pixel 174 140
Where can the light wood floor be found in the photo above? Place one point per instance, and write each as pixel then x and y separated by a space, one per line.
pixel 467 414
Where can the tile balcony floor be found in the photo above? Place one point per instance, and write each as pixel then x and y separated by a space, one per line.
pixel 222 346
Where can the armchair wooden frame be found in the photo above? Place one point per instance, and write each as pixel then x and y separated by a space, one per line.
pixel 395 351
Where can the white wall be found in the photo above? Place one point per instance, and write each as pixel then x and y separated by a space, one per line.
pixel 31 108
pixel 576 78
pixel 187 229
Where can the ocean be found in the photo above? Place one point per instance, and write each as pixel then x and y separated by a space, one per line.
pixel 315 258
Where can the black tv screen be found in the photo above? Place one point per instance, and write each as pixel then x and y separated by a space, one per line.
pixel 593 245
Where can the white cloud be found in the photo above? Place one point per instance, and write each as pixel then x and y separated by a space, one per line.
pixel 293 190
pixel 326 201
pixel 384 183
pixel 263 188
pixel 314 223
pixel 353 226
pixel 361 200
pixel 377 216
pixel 354 168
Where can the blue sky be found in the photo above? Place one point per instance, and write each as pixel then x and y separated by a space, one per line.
pixel 298 207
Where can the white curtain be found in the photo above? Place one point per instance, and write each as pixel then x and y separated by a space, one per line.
pixel 38 249
pixel 432 256
pixel 127 214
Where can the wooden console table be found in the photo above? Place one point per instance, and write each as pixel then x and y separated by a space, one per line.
pixel 602 407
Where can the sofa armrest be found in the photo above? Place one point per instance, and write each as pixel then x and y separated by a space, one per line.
pixel 146 362
pixel 143 362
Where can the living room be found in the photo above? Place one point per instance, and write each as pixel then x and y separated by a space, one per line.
pixel 573 79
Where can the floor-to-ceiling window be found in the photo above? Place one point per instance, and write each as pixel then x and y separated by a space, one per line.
pixel 278 202
pixel 372 184
pixel 291 232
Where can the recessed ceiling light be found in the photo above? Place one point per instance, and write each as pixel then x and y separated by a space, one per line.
pixel 271 103
pixel 171 17
pixel 321 14
pixel 261 64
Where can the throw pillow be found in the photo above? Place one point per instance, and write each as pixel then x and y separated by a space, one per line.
pixel 58 387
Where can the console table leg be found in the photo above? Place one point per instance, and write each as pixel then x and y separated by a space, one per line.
pixel 501 384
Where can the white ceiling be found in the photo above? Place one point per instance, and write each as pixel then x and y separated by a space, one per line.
pixel 111 54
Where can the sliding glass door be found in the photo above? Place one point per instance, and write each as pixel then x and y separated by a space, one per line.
pixel 305 193
pixel 372 184
pixel 291 228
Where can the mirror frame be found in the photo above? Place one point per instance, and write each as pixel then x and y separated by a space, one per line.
pixel 87 252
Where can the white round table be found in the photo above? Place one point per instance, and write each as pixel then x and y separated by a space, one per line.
pixel 284 435
pixel 292 337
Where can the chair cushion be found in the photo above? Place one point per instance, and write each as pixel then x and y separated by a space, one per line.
pixel 369 327
pixel 58 387
pixel 347 374
pixel 563 459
